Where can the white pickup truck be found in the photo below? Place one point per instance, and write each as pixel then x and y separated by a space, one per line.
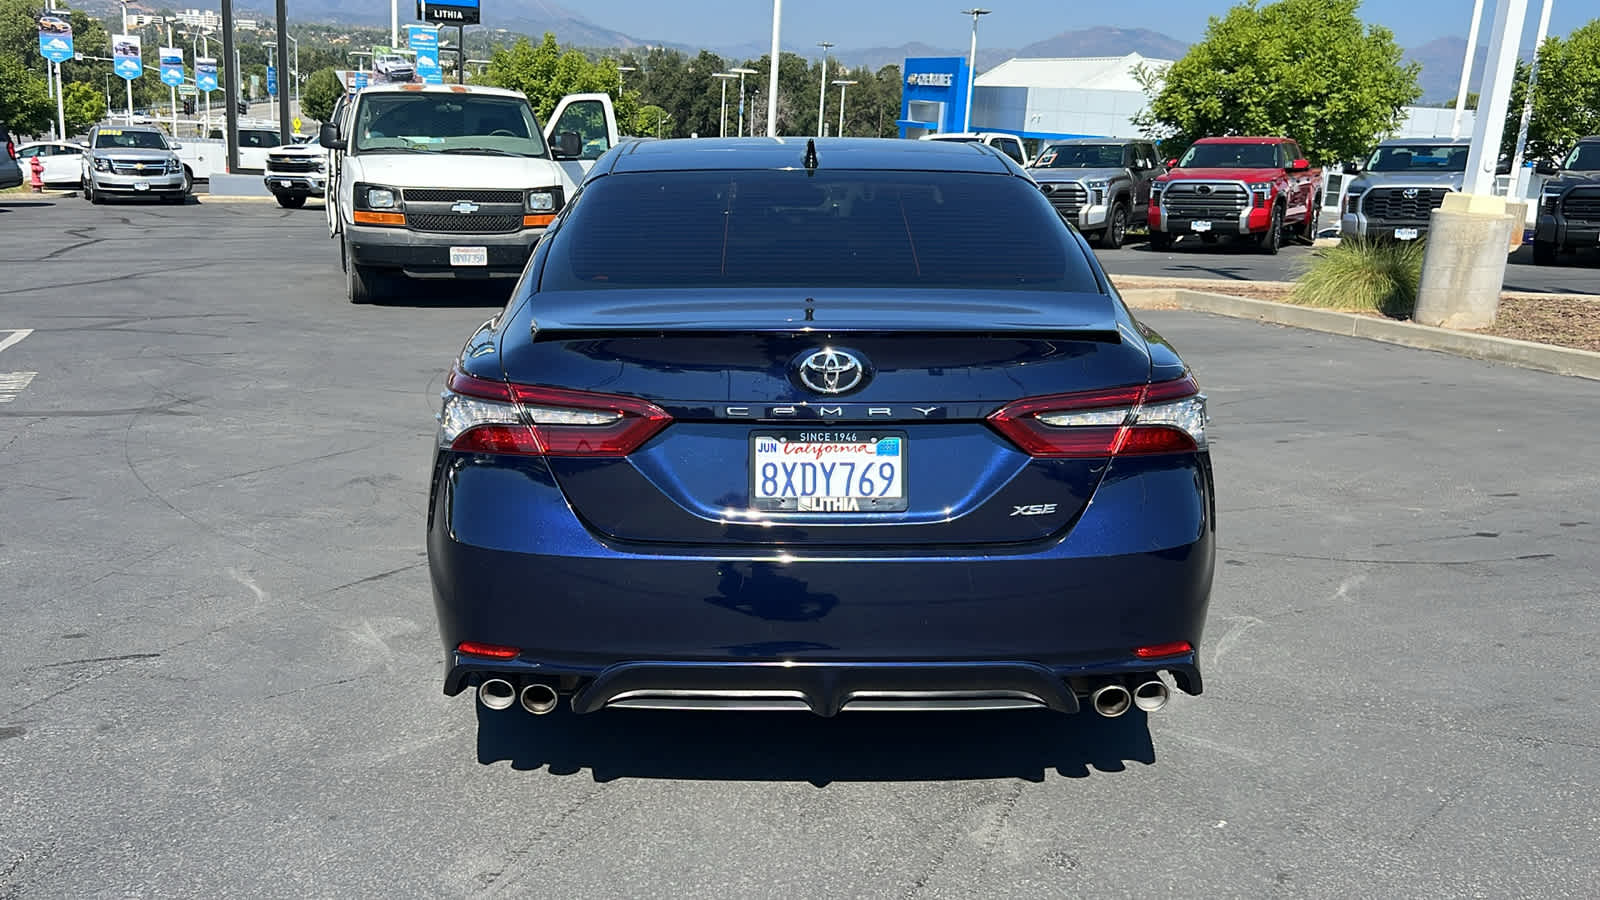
pixel 1009 144
pixel 452 181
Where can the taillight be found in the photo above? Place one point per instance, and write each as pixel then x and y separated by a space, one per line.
pixel 1157 651
pixel 11 149
pixel 483 416
pixel 492 651
pixel 1143 420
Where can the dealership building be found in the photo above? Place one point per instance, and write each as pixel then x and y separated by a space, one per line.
pixel 1054 99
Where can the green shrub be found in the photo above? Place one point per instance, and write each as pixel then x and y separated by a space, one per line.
pixel 1364 275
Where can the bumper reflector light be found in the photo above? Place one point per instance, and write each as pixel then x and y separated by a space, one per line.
pixel 1171 648
pixel 493 651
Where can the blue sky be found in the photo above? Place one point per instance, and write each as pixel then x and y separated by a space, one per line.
pixel 1014 23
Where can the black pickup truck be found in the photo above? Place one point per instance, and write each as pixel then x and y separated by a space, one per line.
pixel 1569 204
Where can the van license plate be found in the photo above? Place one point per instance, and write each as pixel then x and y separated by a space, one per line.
pixel 828 471
pixel 141 185
pixel 1406 234
pixel 469 256
pixel 1200 227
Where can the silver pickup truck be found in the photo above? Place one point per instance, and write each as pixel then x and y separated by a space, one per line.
pixel 1099 185
pixel 1394 195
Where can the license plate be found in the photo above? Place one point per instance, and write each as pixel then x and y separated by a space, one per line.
pixel 469 256
pixel 1405 234
pixel 141 185
pixel 284 182
pixel 1200 227
pixel 828 471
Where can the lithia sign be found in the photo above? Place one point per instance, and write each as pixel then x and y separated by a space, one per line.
pixel 448 12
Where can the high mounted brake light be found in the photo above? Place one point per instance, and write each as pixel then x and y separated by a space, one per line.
pixel 484 416
pixel 1142 420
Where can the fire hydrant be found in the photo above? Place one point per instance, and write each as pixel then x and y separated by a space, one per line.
pixel 36 174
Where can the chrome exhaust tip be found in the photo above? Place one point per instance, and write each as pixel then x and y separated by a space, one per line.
pixel 497 693
pixel 1151 695
pixel 1111 700
pixel 539 698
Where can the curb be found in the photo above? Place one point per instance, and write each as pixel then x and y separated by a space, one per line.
pixel 1522 354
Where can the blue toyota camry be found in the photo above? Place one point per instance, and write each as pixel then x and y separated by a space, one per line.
pixel 819 425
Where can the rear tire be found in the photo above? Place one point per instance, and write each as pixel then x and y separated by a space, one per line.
pixel 291 201
pixel 1545 253
pixel 361 282
pixel 1160 240
pixel 1116 229
pixel 1272 239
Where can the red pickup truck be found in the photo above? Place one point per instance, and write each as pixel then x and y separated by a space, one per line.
pixel 1242 186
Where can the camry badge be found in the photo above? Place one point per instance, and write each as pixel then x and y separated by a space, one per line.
pixel 464 207
pixel 830 371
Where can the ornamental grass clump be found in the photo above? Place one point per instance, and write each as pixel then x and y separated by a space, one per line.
pixel 1365 276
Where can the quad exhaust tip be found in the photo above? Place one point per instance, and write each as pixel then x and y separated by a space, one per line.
pixel 539 698
pixel 1151 695
pixel 497 693
pixel 1111 700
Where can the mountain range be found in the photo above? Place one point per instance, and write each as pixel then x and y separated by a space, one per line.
pixel 1440 58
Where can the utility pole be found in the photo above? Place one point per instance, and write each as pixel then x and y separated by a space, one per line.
pixel 283 56
pixel 976 13
pixel 61 105
pixel 1466 69
pixel 772 80
pixel 742 71
pixel 1464 265
pixel 822 93
pixel 128 81
pixel 172 89
pixel 230 55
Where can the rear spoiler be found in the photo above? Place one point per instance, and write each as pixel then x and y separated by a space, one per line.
pixel 606 313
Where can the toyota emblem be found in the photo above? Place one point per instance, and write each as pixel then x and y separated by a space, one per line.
pixel 831 371
pixel 1409 193
pixel 1203 189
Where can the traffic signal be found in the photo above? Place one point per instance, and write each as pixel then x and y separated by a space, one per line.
pixel 188 106
pixel 244 107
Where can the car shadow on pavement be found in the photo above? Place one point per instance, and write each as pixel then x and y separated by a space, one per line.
pixel 446 293
pixel 8 205
pixel 799 747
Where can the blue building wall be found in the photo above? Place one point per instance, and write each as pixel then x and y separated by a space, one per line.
pixel 934 95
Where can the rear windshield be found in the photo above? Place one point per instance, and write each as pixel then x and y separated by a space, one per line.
pixel 1420 158
pixel 428 122
pixel 843 228
pixel 1231 156
pixel 140 140
pixel 1584 158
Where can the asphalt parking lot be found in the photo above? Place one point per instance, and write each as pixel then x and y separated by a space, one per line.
pixel 221 677
pixel 1579 273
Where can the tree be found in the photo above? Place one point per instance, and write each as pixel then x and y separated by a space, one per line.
pixel 25 104
pixel 84 106
pixel 546 74
pixel 1566 101
pixel 321 92
pixel 1303 69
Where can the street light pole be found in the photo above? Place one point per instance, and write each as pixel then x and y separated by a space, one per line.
pixel 1517 192
pixel 772 79
pixel 976 13
pixel 822 92
pixel 742 72
pixel 724 77
pixel 660 121
pixel 1466 69
pixel 128 81
pixel 842 83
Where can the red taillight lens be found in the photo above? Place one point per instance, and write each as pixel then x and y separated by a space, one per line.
pixel 11 149
pixel 484 416
pixel 493 651
pixel 1156 651
pixel 1167 417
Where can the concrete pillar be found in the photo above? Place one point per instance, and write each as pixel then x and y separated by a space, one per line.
pixel 1464 264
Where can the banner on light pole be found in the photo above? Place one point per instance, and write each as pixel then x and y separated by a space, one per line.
pixel 55 39
pixel 172 66
pixel 127 56
pixel 205 74
pixel 424 42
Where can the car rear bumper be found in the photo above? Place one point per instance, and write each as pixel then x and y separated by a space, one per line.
pixel 427 254
pixel 512 566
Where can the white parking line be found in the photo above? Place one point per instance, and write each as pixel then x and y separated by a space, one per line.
pixel 14 338
pixel 12 383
